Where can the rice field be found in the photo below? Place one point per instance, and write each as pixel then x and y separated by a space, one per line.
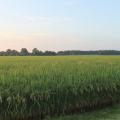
pixel 36 87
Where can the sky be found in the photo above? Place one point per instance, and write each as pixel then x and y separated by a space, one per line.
pixel 60 24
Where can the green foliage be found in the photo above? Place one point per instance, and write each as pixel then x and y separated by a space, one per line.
pixel 36 52
pixel 24 52
pixel 41 86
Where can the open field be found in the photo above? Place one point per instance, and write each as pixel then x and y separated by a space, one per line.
pixel 35 87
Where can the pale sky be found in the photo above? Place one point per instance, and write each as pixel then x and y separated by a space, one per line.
pixel 60 24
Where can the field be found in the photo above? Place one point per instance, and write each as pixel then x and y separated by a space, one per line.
pixel 109 113
pixel 36 87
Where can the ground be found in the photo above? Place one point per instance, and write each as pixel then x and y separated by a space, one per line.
pixel 111 113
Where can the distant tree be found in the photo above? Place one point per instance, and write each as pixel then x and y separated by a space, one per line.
pixel 10 52
pixel 24 52
pixel 35 51
pixel 50 53
pixel 41 53
pixel 15 53
pixel 2 53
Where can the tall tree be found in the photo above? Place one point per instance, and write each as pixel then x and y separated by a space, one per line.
pixel 50 53
pixel 8 52
pixel 24 52
pixel 35 51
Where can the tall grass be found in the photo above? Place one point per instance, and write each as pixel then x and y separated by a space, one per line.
pixel 32 87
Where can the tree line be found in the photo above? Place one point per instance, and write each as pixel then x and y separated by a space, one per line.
pixel 36 52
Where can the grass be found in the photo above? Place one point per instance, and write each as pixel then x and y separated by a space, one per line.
pixel 35 87
pixel 111 113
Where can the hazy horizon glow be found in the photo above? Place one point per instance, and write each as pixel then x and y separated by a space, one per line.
pixel 60 25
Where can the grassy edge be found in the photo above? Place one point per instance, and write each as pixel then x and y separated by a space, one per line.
pixel 110 113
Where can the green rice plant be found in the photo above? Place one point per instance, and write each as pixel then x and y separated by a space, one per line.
pixel 36 87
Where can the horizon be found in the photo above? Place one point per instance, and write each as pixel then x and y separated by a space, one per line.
pixel 60 50
pixel 60 25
